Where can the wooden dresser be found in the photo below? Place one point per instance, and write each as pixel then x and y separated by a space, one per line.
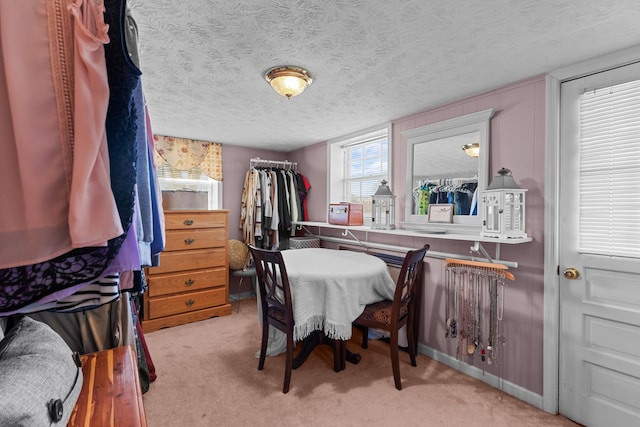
pixel 192 281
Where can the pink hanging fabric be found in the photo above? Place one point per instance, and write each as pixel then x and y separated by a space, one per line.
pixel 93 214
pixel 54 170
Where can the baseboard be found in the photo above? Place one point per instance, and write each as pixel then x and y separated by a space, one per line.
pixel 493 380
pixel 183 318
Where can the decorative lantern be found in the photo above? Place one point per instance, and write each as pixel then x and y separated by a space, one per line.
pixel 383 208
pixel 504 208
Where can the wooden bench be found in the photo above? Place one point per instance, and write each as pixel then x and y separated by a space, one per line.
pixel 111 394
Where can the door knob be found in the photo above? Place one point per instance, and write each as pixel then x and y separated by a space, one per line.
pixel 571 273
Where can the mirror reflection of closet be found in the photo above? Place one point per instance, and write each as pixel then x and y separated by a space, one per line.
pixel 440 171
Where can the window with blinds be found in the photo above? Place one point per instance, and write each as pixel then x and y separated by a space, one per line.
pixel 358 164
pixel 367 165
pixel 609 221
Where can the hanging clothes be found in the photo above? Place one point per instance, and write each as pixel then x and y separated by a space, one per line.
pixel 273 199
pixel 460 192
pixel 248 203
pixel 139 217
pixel 81 212
pixel 54 170
pixel 46 239
pixel 284 210
pixel 303 189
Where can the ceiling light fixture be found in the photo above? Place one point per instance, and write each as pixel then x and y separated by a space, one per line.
pixel 472 150
pixel 287 80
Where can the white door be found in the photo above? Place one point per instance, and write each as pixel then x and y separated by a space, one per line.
pixel 599 361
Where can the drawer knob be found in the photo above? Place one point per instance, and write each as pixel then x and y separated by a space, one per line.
pixel 188 222
pixel 189 241
pixel 189 282
pixel 189 303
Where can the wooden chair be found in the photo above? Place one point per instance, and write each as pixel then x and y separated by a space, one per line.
pixel 393 315
pixel 275 300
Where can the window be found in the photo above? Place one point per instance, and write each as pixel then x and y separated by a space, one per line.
pixel 609 175
pixel 357 165
pixel 172 179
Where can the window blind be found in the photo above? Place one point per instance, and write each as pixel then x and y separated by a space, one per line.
pixel 609 177
pixel 366 166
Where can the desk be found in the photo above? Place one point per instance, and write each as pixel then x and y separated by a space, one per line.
pixel 330 289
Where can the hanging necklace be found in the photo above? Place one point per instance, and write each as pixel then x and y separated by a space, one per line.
pixel 471 339
pixel 447 301
pixel 493 318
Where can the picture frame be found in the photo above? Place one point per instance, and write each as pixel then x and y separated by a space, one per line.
pixel 440 213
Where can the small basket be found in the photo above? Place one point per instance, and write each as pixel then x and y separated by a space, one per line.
pixel 304 242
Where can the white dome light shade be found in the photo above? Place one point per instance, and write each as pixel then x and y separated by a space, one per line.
pixel 287 80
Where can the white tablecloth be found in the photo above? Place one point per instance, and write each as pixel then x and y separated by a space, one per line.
pixel 330 289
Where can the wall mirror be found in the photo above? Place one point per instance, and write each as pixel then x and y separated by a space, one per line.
pixel 440 172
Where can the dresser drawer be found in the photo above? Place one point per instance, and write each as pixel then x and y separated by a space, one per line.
pixel 183 303
pixel 171 283
pixel 190 260
pixel 178 240
pixel 180 220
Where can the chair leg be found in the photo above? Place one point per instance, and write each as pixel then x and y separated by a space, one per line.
pixel 395 359
pixel 289 363
pixel 411 339
pixel 238 297
pixel 263 344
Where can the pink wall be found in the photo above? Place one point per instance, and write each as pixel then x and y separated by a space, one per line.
pixel 312 163
pixel 517 143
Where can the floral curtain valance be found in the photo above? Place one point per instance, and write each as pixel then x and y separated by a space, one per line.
pixel 185 154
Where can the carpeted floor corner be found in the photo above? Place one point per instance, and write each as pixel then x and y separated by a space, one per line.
pixel 208 376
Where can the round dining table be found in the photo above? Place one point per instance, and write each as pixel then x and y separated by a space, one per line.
pixel 329 290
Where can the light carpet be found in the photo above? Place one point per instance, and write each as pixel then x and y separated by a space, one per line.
pixel 208 376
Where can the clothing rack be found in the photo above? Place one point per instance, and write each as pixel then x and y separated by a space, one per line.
pixel 283 164
pixel 446 181
pixel 274 196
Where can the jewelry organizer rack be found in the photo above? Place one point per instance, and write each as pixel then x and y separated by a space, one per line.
pixel 257 162
pixel 474 304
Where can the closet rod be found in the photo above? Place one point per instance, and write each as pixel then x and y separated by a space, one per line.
pixel 403 249
pixel 444 180
pixel 257 161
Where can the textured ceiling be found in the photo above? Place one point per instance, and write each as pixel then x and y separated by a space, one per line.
pixel 372 61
